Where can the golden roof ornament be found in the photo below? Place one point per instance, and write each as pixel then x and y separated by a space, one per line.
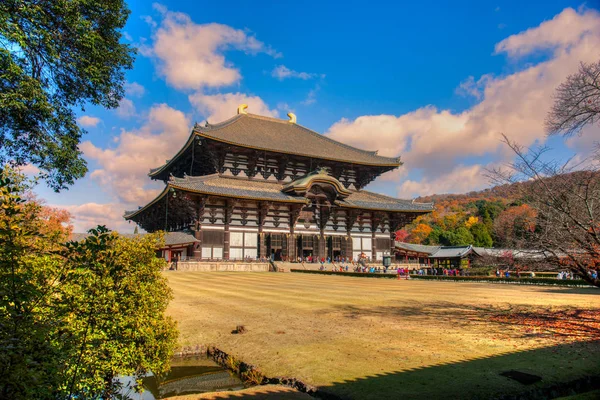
pixel 292 118
pixel 242 109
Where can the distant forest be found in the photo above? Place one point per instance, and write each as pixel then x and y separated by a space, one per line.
pixel 495 217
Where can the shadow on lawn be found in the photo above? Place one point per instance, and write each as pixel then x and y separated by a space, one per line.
pixel 565 369
pixel 574 290
pixel 569 366
pixel 481 379
pixel 566 324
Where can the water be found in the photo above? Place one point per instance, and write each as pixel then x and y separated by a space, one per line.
pixel 188 375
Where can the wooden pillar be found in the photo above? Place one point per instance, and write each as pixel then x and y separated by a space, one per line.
pixel 394 226
pixel 292 245
pixel 198 234
pixel 349 249
pixel 322 218
pixel 263 210
pixel 374 224
pixel 262 244
pixel 227 220
pixel 351 217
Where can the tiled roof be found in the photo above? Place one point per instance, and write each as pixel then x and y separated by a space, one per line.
pixel 452 252
pixel 271 191
pixel 515 253
pixel 370 200
pixel 302 184
pixel 417 248
pixel 281 136
pixel 234 187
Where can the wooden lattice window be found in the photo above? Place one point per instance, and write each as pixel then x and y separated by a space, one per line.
pixel 307 241
pixel 276 241
pixel 336 243
pixel 211 238
pixel 382 243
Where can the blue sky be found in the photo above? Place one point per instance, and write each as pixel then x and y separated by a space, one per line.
pixel 434 83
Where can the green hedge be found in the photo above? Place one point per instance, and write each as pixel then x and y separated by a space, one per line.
pixel 521 281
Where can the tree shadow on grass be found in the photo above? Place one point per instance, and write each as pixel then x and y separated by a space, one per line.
pixel 562 324
pixel 565 369
pixel 591 290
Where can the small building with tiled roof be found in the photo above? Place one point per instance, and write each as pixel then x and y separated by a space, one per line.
pixel 260 187
pixel 435 256
pixel 463 256
pixel 177 245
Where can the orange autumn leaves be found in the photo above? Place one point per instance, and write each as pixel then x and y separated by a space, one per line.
pixel 562 325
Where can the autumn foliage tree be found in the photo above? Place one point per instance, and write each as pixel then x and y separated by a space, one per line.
pixel 420 233
pixel 73 316
pixel 565 198
pixel 514 226
pixel 565 195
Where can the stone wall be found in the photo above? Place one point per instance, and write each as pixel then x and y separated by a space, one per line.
pixel 222 266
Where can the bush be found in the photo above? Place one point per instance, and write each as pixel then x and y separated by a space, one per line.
pixel 73 317
pixel 522 281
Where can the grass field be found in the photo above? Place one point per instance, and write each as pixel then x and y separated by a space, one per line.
pixel 378 338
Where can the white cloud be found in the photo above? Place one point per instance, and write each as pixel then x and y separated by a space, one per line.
pixel 282 72
pixel 219 107
pixel 435 141
pixel 190 55
pixel 149 20
pixel 311 97
pixel 126 108
pixel 124 169
pixel 564 30
pixel 460 179
pixel 29 169
pixel 134 89
pixel 88 121
pixel 89 215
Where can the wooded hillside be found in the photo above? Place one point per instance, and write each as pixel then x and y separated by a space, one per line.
pixel 495 217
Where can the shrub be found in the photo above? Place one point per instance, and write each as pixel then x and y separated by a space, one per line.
pixel 522 281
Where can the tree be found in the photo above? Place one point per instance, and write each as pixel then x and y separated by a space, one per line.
pixel 514 226
pixel 577 101
pixel 117 298
pixel 458 237
pixel 420 233
pixel 481 235
pixel 29 361
pixel 74 316
pixel 566 200
pixel 565 195
pixel 471 221
pixel 56 56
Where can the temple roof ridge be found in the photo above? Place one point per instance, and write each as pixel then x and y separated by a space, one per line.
pixel 280 136
pixel 223 124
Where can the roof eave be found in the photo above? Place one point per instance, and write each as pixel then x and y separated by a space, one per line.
pixel 395 164
pixel 155 172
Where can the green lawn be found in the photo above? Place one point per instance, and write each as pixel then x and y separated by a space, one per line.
pixel 378 338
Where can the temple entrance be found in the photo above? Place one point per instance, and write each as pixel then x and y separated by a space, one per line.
pixel 334 247
pixel 307 247
pixel 276 246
